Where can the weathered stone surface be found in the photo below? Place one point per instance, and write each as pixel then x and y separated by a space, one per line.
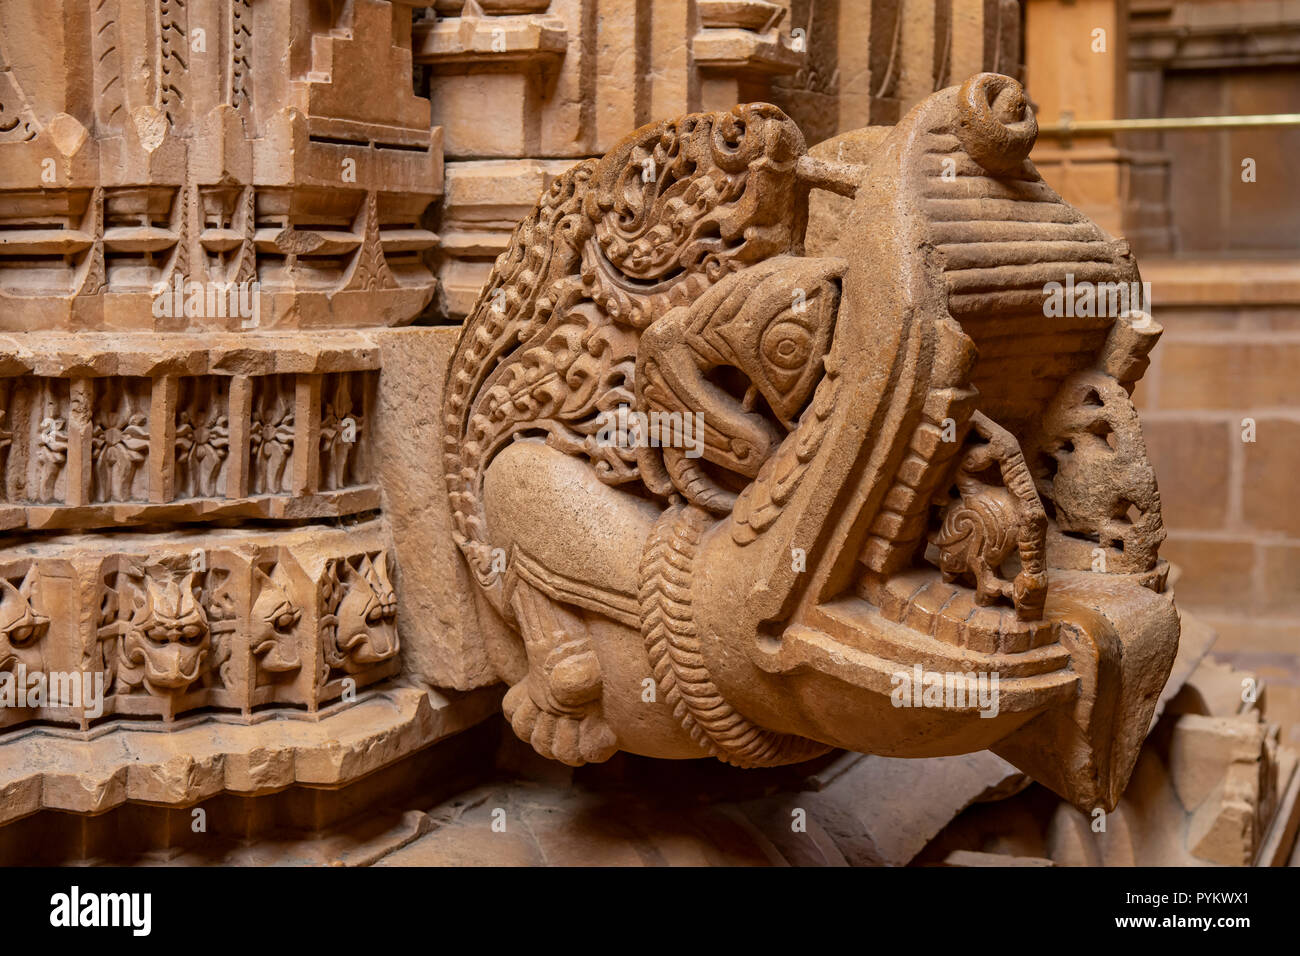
pixel 42 769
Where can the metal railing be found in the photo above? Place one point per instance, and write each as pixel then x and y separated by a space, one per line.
pixel 1068 127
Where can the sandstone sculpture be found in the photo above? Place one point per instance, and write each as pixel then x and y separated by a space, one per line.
pixel 725 493
pixel 738 434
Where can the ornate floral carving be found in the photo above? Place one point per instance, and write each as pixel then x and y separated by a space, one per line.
pixel 120 439
pixel 271 435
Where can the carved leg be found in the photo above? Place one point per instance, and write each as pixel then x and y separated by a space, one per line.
pixel 988 586
pixel 556 708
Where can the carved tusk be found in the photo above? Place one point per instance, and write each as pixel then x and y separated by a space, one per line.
pixel 839 178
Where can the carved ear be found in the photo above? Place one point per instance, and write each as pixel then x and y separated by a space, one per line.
pixel 7 590
pixel 28 586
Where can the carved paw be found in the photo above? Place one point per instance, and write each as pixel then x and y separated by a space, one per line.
pixel 571 738
pixel 1030 595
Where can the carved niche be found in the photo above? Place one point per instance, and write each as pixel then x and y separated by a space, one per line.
pixel 728 495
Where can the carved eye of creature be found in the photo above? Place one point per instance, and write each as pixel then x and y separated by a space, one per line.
pixel 786 348
pixel 21 635
pixel 286 619
pixel 191 634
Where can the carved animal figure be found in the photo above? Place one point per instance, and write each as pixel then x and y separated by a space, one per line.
pixel 362 620
pixel 273 621
pixel 746 587
pixel 987 522
pixel 167 641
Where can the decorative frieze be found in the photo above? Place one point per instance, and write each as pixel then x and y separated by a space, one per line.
pixel 156 626
pixel 241 426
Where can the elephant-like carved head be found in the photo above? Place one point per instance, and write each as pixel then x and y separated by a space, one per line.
pixel 868 500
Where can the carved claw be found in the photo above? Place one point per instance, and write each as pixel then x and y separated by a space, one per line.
pixel 1030 595
pixel 571 739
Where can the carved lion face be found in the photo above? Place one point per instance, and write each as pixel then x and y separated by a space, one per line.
pixel 168 635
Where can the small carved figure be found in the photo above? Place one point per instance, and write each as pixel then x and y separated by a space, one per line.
pixel 51 452
pixel 982 527
pixel 271 445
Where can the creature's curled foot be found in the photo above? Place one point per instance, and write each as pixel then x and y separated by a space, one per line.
pixel 558 711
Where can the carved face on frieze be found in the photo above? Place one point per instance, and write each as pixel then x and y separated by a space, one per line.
pixel 364 620
pixel 22 626
pixel 274 620
pixel 167 641
pixel 861 505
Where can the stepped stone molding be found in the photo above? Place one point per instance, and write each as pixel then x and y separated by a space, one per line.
pixel 42 769
pixel 285 154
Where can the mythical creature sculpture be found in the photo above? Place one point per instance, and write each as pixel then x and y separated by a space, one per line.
pixel 360 619
pixel 724 492
pixel 274 621
pixel 168 640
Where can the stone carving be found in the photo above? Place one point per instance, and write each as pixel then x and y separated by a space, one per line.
pixel 218 621
pixel 340 432
pixel 271 436
pixel 51 444
pixel 202 438
pixel 167 640
pixel 22 626
pixel 359 617
pixel 726 494
pixel 120 441
pixel 987 522
pixel 273 622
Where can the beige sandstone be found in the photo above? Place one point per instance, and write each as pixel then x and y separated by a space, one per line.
pixel 301 546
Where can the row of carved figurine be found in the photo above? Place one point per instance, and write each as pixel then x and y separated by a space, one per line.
pixel 301 617
pixel 84 441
